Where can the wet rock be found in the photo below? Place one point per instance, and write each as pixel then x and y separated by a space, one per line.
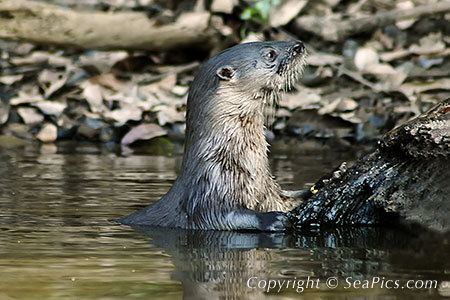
pixel 67 127
pixel 48 149
pixel 107 134
pixel 96 130
pixel 90 128
pixel 21 131
pixel 177 131
pixel 8 141
pixel 157 146
pixel 300 130
pixel 371 130
pixel 48 133
pixel 14 116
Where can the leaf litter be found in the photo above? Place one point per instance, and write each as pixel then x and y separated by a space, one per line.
pixel 364 83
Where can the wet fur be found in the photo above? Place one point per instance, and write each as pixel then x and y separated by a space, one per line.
pixel 225 181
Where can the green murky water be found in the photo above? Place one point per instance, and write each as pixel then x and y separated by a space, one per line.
pixel 57 239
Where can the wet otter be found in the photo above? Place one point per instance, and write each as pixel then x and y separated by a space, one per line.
pixel 225 182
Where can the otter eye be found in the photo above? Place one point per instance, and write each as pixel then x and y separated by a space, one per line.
pixel 271 55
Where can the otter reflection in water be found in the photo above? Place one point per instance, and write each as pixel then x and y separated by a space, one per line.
pixel 225 182
pixel 218 264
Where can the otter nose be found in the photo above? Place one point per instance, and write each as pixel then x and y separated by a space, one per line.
pixel 299 47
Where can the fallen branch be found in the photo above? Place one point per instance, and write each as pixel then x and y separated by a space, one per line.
pixel 335 29
pixel 50 24
pixel 405 179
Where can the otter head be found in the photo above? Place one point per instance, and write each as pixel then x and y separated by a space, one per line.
pixel 260 67
pixel 241 80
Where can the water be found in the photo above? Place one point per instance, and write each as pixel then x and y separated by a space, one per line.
pixel 57 239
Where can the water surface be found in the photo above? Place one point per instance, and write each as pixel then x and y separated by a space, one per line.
pixel 58 240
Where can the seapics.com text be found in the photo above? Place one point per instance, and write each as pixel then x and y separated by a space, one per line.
pixel 300 285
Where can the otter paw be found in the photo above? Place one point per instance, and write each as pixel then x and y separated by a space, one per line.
pixel 273 221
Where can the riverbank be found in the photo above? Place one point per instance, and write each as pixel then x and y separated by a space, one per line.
pixel 355 87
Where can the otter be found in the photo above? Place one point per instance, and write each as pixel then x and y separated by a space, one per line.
pixel 225 182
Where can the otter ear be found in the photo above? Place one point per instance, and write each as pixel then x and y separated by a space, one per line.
pixel 226 72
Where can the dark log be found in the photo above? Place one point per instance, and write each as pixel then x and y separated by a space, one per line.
pixel 405 179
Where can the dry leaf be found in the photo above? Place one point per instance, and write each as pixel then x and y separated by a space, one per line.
pixel 301 99
pixel 93 95
pixel 51 108
pixel 180 90
pixel 365 57
pixel 429 44
pixel 169 82
pixel 283 113
pixel 223 6
pixel 411 88
pixel 143 132
pixel 406 23
pixel 285 12
pixel 389 78
pixel 29 115
pixel 323 59
pixel 338 105
pixel 349 117
pixel 393 55
pixel 34 58
pixel 218 24
pixel 4 112
pixel 102 60
pixel 168 114
pixel 379 70
pixel 26 96
pixel 10 79
pixel 51 81
pixel 123 115
pixel 346 104
pixel 108 80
